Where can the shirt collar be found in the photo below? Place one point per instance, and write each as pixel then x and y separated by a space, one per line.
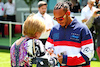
pixel 73 23
pixel 89 7
pixel 40 14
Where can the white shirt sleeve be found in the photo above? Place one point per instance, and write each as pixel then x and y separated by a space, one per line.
pixel 82 14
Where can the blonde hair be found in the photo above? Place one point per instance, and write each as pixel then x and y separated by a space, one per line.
pixel 32 25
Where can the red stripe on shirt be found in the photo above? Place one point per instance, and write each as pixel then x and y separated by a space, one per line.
pixel 67 43
pixel 86 42
pixel 64 43
pixel 72 61
pixel 86 66
pixel 82 66
pixel 50 40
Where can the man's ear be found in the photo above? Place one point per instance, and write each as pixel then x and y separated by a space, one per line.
pixel 68 13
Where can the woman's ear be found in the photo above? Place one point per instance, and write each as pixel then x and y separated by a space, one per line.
pixel 36 34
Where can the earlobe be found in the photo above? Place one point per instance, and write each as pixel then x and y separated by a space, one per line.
pixel 68 12
pixel 36 34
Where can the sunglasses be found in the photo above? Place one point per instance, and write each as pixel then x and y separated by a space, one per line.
pixel 92 4
pixel 61 18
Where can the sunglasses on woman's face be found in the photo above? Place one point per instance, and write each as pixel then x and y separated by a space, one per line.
pixel 61 18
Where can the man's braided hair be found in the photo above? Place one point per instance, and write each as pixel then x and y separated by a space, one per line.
pixel 63 5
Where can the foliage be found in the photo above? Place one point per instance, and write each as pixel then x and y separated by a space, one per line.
pixel 29 3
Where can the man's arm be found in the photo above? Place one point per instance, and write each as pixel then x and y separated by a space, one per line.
pixel 90 21
pixel 84 20
pixel 86 52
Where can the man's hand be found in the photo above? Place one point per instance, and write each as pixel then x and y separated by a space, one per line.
pixel 95 13
pixel 60 58
pixel 48 30
pixel 84 20
pixel 50 51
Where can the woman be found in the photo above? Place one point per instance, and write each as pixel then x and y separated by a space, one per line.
pixel 19 51
pixel 28 50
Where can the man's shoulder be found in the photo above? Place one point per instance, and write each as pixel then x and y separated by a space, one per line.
pixel 97 19
pixel 85 8
pixel 81 25
pixel 47 15
pixel 37 15
pixel 6 4
pixel 57 26
pixel 94 8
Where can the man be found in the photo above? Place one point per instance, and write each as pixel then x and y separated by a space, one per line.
pixel 86 13
pixel 42 8
pixel 70 40
pixel 90 21
pixel 95 21
pixel 96 24
pixel 2 18
pixel 10 13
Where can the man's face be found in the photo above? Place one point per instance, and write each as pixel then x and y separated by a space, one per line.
pixel 91 4
pixel 43 9
pixel 58 14
pixel 10 1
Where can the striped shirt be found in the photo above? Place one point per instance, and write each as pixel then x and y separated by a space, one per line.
pixel 74 42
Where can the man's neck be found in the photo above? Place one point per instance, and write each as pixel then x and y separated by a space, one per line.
pixel 69 21
pixel 90 7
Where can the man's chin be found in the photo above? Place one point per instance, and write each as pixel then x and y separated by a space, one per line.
pixel 62 25
pixel 43 13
